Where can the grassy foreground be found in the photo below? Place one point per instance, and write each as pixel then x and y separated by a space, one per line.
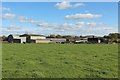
pixel 60 60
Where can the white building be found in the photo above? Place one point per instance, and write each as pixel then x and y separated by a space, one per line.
pixel 17 39
pixel 37 37
pixel 82 40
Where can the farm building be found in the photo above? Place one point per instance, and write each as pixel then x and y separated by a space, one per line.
pixel 33 38
pixel 94 40
pixel 82 40
pixel 57 40
pixel 40 41
pixel 27 38
pixel 16 39
pixel 87 39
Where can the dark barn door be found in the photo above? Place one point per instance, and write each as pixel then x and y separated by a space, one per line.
pixel 93 40
pixel 10 39
pixel 17 41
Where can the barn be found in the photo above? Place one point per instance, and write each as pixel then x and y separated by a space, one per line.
pixel 16 39
pixel 34 38
pixel 94 40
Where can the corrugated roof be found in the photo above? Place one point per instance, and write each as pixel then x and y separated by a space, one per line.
pixel 31 35
pixel 18 37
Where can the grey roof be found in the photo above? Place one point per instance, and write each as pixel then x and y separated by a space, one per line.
pixel 31 35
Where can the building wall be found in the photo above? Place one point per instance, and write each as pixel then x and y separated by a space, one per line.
pixel 27 38
pixel 82 40
pixel 57 40
pixel 37 37
pixel 42 41
pixel 22 39
pixel 16 41
pixel 93 40
pixel 33 41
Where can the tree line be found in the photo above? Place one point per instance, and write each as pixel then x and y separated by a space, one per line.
pixel 113 37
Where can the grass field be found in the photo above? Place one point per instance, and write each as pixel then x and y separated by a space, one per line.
pixel 60 60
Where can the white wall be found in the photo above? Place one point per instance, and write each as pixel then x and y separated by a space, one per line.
pixel 37 37
pixel 23 39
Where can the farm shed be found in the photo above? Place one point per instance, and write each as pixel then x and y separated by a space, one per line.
pixel 81 40
pixel 57 40
pixel 41 41
pixel 16 39
pixel 33 38
pixel 94 40
pixel 88 39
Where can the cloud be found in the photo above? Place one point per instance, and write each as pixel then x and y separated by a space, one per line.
pixel 35 21
pixel 82 16
pixel 78 28
pixel 4 9
pixel 78 4
pixel 24 19
pixel 80 23
pixel 7 16
pixel 13 27
pixel 67 5
pixel 44 27
pixel 63 27
pixel 91 23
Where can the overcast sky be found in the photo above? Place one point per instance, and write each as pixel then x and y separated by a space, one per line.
pixel 65 18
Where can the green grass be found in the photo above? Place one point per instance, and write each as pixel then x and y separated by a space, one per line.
pixel 60 60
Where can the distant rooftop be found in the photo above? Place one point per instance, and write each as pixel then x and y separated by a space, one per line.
pixel 31 35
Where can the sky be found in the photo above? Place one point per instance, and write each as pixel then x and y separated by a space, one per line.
pixel 64 18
